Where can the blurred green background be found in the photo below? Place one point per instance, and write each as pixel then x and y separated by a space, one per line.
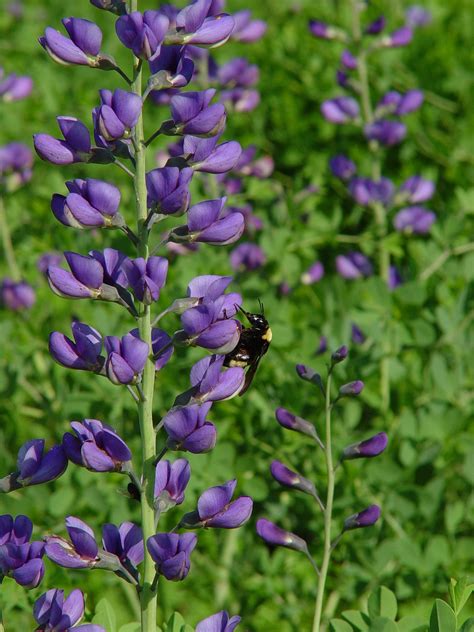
pixel 424 481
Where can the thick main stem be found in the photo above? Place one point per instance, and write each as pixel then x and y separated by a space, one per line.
pixel 145 405
pixel 327 512
pixel 7 244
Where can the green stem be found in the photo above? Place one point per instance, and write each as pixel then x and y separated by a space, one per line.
pixel 223 571
pixel 7 244
pixel 145 405
pixel 327 512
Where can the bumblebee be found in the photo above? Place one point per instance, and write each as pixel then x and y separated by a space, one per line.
pixel 252 346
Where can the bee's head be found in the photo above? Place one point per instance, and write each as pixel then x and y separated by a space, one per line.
pixel 256 320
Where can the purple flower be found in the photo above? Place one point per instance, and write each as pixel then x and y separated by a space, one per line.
pixel 76 146
pixel 394 278
pixel 414 219
pixel 16 295
pixel 215 509
pixel 342 167
pixel 82 47
pixel 366 191
pixel 416 189
pixel 377 26
pixel 116 116
pixel 192 114
pixel 171 69
pixel 241 99
pixel 247 256
pixel 353 265
pixel 80 552
pixel 399 104
pixel 365 518
pixel 188 429
pixel 114 264
pixel 238 72
pixel 35 466
pixel 398 38
pixel 203 154
pixel 308 374
pixel 417 16
pixel 288 478
pixel 275 536
pixel 14 87
pixel 247 30
pixel 348 60
pixel 84 354
pixel 340 110
pixel 84 281
pixel 16 161
pixel 96 446
pixel 124 542
pixel 339 355
pixel 48 259
pixel 147 277
pixel 90 204
pixel 211 384
pixel 208 223
pixel 193 26
pixel 126 358
pixel 313 274
pixel 171 553
pixel 219 622
pixel 351 389
pixel 385 132
pixel 142 33
pixel 366 449
pixel 20 558
pixel 171 480
pixel 322 346
pixel 322 30
pixel 53 613
pixel 168 190
pixel 293 422
pixel 357 335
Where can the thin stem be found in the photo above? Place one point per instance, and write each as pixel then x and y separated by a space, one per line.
pixel 313 563
pixel 123 75
pixel 145 405
pixel 120 165
pixel 7 244
pixel 319 501
pixel 327 513
pixel 443 257
pixel 152 137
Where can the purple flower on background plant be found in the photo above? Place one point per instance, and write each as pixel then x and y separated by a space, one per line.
pixel 14 87
pixel 16 161
pixel 357 335
pixel 204 154
pixel 96 446
pixel 247 30
pixel 90 204
pixel 173 69
pixel 193 114
pixel 377 26
pixel 406 103
pixel 247 256
pixel 208 223
pixel 394 278
pixel 82 47
pixel 416 16
pixel 80 552
pixel 348 60
pixel 276 536
pixel 171 553
pixel 340 110
pixel 288 478
pixel 353 265
pixel 171 480
pixel 293 422
pixel 143 33
pixel 366 191
pixel 48 259
pixel 365 518
pixel 195 26
pixel 366 449
pixel 116 116
pixel 351 389
pixel 211 384
pixel 147 278
pixel 322 30
pixel 313 274
pixel 84 281
pixel 322 346
pixel 241 99
pixel 238 72
pixel 386 132
pixel 20 558
pixel 168 190
pixel 188 429
pixel 76 146
pixel 16 295
pixel 84 354
pixel 126 358
pixel 342 167
pixel 53 613
pixel 215 509
pixel 219 622
pixel 398 38
pixel 416 189
pixel 414 219
pixel 125 542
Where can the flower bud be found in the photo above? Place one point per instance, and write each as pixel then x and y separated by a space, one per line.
pixel 340 354
pixel 306 373
pixel 288 478
pixel 274 535
pixel 366 449
pixel 292 422
pixel 365 518
pixel 351 389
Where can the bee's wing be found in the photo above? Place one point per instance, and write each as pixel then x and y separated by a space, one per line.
pixel 250 374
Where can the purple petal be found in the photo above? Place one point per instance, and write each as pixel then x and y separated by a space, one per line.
pixel 96 459
pixel 201 440
pixel 53 464
pixel 75 133
pixel 73 607
pixel 62 49
pixel 29 457
pixel 85 34
pixel 235 515
pixel 214 499
pixel 30 574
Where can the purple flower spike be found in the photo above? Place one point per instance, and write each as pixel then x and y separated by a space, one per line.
pixel 188 429
pixel 16 295
pixel 211 384
pixel 340 110
pixel 366 449
pixel 247 30
pixel 84 354
pixel 342 167
pixel 20 558
pixel 377 26
pixel 36 466
pixel 416 189
pixel 82 48
pixel 314 274
pixel 168 190
pixel 293 422
pixel 216 510
pixel 116 116
pixel 147 278
pixel 171 480
pixel 125 542
pixel 219 622
pixel 195 26
pixel 53 613
pixel 386 132
pixel 276 536
pixel 15 88
pixel 288 478
pixel 247 256
pixel 351 389
pixel 126 358
pixel 208 223
pixel 84 281
pixel 414 219
pixel 353 265
pixel 365 518
pixel 142 33
pixel 192 114
pixel 96 447
pixel 76 146
pixel 90 204
pixel 80 552
pixel 203 154
pixel 400 37
pixel 171 553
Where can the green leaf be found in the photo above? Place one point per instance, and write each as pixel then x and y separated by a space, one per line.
pixel 468 625
pixel 105 615
pixel 338 625
pixel 130 627
pixel 460 591
pixel 412 624
pixel 383 603
pixel 382 624
pixel 357 619
pixel 176 623
pixel 442 617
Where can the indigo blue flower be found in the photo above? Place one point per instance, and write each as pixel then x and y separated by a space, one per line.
pixel 219 622
pixel 20 558
pixel 53 613
pixel 171 553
